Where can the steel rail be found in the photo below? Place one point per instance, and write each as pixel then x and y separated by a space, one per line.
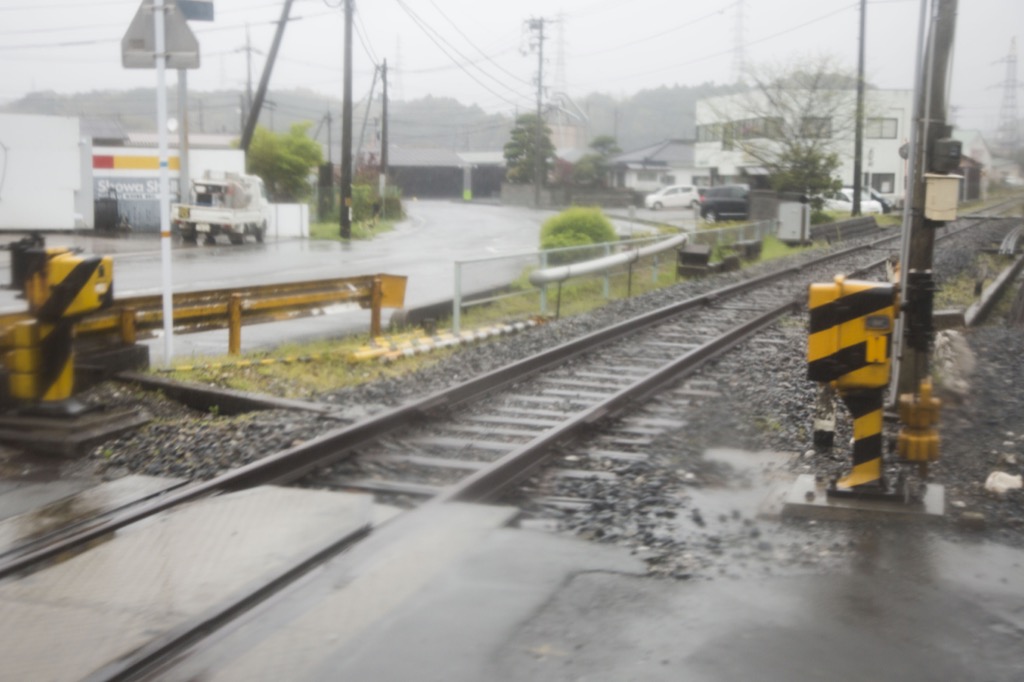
pixel 292 464
pixel 979 310
pixel 521 462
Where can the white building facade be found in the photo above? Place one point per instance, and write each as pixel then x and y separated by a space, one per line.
pixel 725 123
pixel 43 162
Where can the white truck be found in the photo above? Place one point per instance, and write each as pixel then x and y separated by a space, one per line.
pixel 231 204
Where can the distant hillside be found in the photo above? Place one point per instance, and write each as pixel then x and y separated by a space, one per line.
pixel 438 122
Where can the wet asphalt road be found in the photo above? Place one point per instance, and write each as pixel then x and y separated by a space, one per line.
pixel 423 247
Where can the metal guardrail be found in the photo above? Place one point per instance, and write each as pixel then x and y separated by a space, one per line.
pixel 135 316
pixel 499 271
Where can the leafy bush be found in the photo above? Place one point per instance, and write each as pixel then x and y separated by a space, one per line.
pixel 363 197
pixel 820 217
pixel 577 226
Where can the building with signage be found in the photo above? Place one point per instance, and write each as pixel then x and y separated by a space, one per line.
pixel 130 173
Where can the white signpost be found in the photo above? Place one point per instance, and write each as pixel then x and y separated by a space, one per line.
pixel 160 37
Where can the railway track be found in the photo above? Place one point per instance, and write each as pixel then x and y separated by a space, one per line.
pixel 479 438
pixel 326 453
pixel 482 438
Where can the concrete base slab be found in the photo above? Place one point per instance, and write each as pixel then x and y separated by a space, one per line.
pixel 80 507
pixel 67 435
pixel 425 596
pixel 807 498
pixel 153 578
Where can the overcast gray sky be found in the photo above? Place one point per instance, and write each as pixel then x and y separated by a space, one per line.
pixel 478 51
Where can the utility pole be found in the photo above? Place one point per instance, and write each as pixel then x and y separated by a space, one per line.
pixel 538 157
pixel 330 139
pixel 261 92
pixel 858 135
pixel 248 50
pixel 325 188
pixel 384 139
pixel 346 131
pixel 932 151
pixel 184 186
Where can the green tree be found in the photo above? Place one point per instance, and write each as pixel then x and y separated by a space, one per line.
pixel 792 120
pixel 521 150
pixel 605 146
pixel 284 161
pixel 590 169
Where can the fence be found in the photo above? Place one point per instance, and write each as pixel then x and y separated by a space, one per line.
pixel 490 280
pixel 727 236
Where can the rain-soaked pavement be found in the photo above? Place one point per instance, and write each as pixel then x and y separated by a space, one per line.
pixel 471 599
pixel 423 247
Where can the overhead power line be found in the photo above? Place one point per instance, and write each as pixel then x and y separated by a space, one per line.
pixel 659 34
pixel 117 38
pixel 731 50
pixel 437 39
pixel 474 46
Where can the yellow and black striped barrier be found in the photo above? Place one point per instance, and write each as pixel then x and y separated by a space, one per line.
pixel 849 346
pixel 61 287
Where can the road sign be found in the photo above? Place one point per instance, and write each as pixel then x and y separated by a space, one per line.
pixel 138 47
pixel 196 10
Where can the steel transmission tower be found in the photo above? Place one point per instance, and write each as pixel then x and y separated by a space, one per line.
pixel 739 56
pixel 1008 135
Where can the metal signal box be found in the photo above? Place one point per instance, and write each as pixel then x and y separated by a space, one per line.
pixel 851 325
pixel 69 285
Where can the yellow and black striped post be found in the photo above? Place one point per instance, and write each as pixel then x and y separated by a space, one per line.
pixel 866 409
pixel 40 361
pixel 61 286
pixel 849 347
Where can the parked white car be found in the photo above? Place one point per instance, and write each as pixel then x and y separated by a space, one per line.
pixel 673 196
pixel 843 202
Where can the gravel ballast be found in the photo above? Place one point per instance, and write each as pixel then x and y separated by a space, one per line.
pixel 665 508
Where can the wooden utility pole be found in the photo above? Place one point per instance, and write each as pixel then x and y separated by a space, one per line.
pixel 538 156
pixel 384 139
pixel 261 92
pixel 858 135
pixel 346 130
pixel 933 152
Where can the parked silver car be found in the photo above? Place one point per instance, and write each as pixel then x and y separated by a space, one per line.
pixel 673 196
pixel 843 202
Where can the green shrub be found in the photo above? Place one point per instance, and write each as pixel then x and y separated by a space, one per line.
pixel 363 197
pixel 577 226
pixel 820 218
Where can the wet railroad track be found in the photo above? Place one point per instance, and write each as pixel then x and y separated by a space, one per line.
pixel 538 428
pixel 479 439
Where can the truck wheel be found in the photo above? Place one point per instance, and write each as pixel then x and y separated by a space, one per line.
pixel 210 241
pixel 236 238
pixel 260 232
pixel 188 237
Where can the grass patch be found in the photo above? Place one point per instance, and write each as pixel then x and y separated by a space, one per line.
pixel 361 230
pixel 288 375
pixel 299 378
pixel 959 293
